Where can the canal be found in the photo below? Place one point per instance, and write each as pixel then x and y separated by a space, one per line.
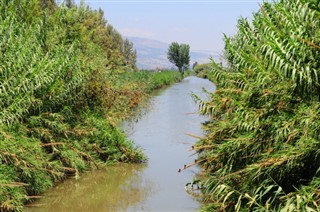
pixel 156 185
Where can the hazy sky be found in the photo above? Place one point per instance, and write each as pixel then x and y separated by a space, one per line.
pixel 200 24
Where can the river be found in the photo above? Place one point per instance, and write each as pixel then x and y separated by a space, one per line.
pixel 154 186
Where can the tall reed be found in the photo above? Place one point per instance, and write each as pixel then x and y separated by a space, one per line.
pixel 262 137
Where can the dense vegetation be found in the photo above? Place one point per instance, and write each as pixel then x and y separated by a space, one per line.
pixel 202 70
pixel 261 152
pixel 66 78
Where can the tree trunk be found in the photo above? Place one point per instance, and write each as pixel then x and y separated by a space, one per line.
pixel 181 71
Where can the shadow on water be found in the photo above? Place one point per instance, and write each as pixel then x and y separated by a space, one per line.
pixel 157 186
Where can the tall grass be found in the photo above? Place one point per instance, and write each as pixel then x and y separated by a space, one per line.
pixel 261 152
pixel 63 78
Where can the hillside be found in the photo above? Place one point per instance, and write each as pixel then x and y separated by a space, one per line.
pixel 152 54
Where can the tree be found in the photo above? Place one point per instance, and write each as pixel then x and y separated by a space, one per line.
pixel 194 65
pixel 130 54
pixel 178 54
pixel 69 3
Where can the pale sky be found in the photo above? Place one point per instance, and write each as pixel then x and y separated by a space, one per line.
pixel 200 24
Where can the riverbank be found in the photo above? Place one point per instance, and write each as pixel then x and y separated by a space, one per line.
pixel 65 82
pixel 261 150
pixel 153 186
pixel 32 162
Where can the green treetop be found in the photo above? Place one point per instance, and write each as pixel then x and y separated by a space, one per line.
pixel 178 54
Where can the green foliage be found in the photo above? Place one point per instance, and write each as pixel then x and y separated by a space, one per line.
pixel 127 89
pixel 201 67
pixel 66 79
pixel 130 54
pixel 25 168
pixel 178 54
pixel 202 70
pixel 13 193
pixel 261 152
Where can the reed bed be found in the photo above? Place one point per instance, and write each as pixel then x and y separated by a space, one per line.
pixel 261 151
pixel 64 83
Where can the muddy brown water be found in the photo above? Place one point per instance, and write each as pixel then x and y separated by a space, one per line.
pixel 154 186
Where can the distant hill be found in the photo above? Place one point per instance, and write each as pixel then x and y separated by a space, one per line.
pixel 152 54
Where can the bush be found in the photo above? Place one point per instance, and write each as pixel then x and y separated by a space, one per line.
pixel 202 70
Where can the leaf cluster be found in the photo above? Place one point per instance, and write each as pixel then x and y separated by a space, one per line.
pixel 262 146
pixel 178 54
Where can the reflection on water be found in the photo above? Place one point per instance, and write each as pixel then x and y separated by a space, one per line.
pixel 109 189
pixel 162 135
pixel 161 132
